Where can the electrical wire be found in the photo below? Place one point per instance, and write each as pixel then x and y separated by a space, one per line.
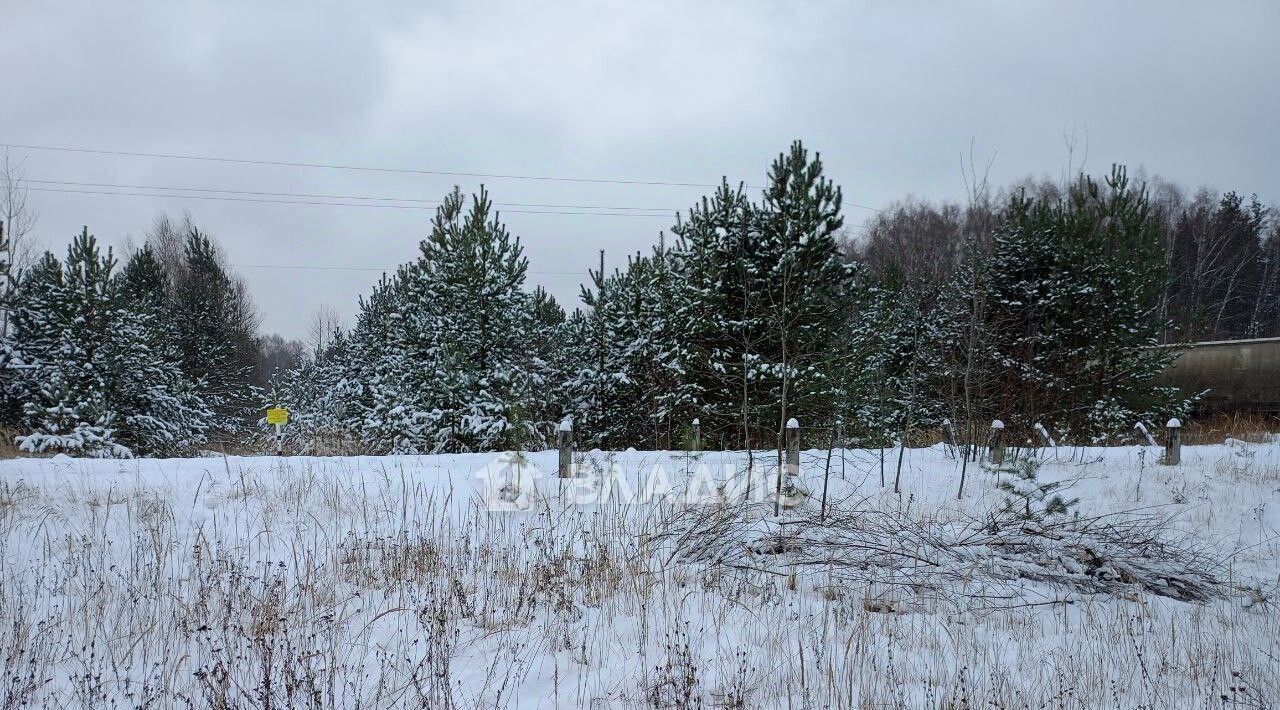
pixel 313 203
pixel 67 183
pixel 366 168
pixel 362 168
pixel 314 267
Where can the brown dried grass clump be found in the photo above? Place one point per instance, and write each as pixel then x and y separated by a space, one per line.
pixel 8 448
pixel 1253 427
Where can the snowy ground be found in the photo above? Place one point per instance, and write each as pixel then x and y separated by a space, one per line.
pixel 386 582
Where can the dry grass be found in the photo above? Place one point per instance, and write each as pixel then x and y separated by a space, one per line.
pixel 9 449
pixel 1255 427
pixel 301 586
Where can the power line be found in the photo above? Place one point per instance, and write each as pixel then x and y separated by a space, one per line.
pixel 313 203
pixel 863 207
pixel 365 168
pixel 377 198
pixel 362 168
pixel 665 211
pixel 316 267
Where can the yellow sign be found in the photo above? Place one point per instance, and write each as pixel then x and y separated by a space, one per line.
pixel 277 415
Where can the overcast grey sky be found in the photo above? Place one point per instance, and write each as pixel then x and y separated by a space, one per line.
pixel 891 93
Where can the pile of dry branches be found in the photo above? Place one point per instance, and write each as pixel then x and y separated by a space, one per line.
pixel 998 555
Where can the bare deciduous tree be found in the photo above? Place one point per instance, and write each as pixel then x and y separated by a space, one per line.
pixel 17 248
pixel 321 327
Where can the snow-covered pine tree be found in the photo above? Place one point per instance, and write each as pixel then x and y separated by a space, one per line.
pixel 642 396
pixel 609 385
pixel 806 286
pixel 549 360
pixel 1075 283
pixel 899 346
pixel 63 327
pixel 383 369
pixel 162 412
pixel 472 317
pixel 100 359
pixel 318 395
pixel 672 396
pixel 1027 498
pixel 216 334
pixel 14 382
pixel 717 304
pixel 743 320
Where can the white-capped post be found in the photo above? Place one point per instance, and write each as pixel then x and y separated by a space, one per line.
pixel 1142 429
pixel 1045 437
pixel 564 439
pixel 793 447
pixel 997 442
pixel 1173 444
pixel 696 443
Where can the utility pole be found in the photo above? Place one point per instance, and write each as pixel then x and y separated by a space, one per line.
pixel 600 347
pixel 6 267
pixel 662 289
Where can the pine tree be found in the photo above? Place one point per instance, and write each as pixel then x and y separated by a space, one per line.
pixel 63 327
pixel 449 353
pixel 217 334
pixel 744 317
pixel 549 364
pixel 473 322
pixel 386 406
pixel 718 302
pixel 806 285
pixel 608 386
pixel 1075 283
pixel 1028 498
pixel 163 412
pixel 101 359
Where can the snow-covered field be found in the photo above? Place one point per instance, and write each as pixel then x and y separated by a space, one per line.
pixel 387 582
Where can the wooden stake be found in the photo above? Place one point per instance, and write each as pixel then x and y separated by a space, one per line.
pixel 564 439
pixel 997 442
pixel 1173 445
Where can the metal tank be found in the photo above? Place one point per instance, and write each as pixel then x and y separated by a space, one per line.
pixel 1235 375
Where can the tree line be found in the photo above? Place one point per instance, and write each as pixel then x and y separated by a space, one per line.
pixel 1222 252
pixel 155 356
pixel 1039 304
